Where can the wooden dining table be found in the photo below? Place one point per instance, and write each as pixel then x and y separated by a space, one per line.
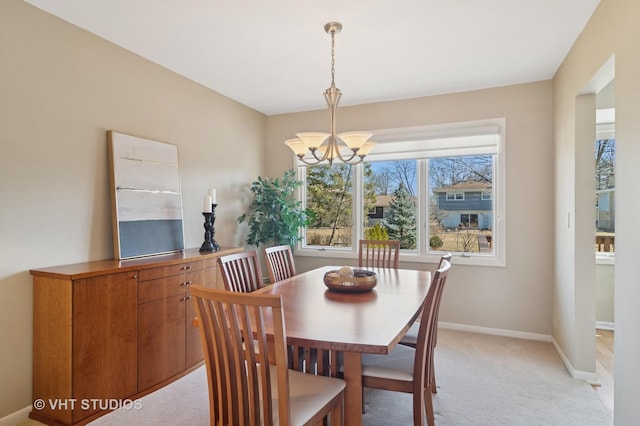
pixel 351 323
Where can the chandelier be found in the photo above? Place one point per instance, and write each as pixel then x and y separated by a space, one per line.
pixel 348 147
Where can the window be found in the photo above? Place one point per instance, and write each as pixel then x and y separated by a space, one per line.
pixel 455 196
pixel 454 225
pixel 605 168
pixel 469 220
pixel 329 197
pixel 376 212
pixel 433 188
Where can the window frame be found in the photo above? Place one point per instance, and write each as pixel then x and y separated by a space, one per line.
pixel 473 132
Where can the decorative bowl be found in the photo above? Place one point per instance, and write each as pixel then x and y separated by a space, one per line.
pixel 362 280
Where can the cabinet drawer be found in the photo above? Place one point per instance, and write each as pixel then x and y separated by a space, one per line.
pixel 162 288
pixel 204 277
pixel 210 262
pixel 163 271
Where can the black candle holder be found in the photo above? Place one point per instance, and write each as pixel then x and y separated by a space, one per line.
pixel 209 243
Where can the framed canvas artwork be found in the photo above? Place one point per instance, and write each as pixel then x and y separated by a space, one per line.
pixel 145 196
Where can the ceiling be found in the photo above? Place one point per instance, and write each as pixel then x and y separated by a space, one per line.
pixel 274 56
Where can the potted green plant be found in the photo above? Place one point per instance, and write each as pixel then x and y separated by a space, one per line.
pixel 275 215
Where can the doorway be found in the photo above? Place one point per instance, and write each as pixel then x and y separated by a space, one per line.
pixel 605 241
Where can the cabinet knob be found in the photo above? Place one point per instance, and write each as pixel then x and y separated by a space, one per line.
pixel 186 267
pixel 184 299
pixel 135 276
pixel 185 284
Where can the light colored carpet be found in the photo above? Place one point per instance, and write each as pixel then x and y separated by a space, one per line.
pixel 493 380
pixel 482 380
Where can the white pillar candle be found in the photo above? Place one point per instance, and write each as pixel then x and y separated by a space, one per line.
pixel 206 206
pixel 212 193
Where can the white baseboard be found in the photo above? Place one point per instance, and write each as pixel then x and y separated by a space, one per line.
pixel 591 378
pixel 16 417
pixel 604 325
pixel 496 331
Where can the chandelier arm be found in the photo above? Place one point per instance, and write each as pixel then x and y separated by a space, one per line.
pixel 346 160
pixel 309 163
pixel 319 159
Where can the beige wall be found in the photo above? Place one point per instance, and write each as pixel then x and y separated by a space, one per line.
pixel 517 297
pixel 604 290
pixel 612 30
pixel 61 89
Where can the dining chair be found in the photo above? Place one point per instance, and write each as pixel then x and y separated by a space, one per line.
pixel 411 337
pixel 244 387
pixel 406 369
pixel 378 253
pixel 241 271
pixel 280 263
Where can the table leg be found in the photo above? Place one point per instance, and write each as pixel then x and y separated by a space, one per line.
pixel 353 390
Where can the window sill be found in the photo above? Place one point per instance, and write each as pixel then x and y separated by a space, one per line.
pixel 605 259
pixel 348 253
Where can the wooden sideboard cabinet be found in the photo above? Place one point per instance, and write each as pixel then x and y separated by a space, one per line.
pixel 164 317
pixel 114 330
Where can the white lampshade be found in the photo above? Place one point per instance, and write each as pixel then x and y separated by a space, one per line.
pixel 313 139
pixel 297 146
pixel 354 139
pixel 366 148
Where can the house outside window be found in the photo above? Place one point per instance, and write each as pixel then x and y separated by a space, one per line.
pixel 434 190
pixel 478 211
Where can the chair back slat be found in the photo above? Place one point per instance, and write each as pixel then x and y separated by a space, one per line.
pixel 280 263
pixel 238 372
pixel 378 253
pixel 241 272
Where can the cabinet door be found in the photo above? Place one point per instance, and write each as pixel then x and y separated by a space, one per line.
pixel 205 277
pixel 161 352
pixel 104 339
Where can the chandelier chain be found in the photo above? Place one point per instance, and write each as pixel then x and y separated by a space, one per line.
pixel 333 57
